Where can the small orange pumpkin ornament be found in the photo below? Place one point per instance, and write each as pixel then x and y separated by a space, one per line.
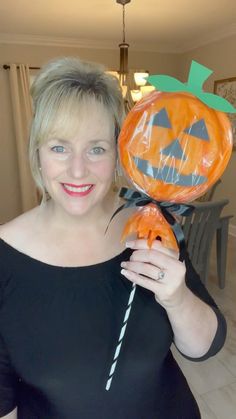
pixel 173 146
pixel 149 223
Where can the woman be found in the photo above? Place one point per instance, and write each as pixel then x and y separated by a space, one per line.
pixel 65 284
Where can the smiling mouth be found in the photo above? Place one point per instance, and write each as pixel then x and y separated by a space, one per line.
pixel 168 174
pixel 77 190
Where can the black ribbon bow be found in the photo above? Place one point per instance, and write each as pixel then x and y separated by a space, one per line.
pixel 139 199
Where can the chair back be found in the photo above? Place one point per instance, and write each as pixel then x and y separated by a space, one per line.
pixel 199 229
pixel 209 194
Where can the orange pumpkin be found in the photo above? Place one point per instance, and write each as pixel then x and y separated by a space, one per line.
pixel 173 147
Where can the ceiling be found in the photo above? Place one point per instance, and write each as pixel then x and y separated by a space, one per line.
pixel 167 26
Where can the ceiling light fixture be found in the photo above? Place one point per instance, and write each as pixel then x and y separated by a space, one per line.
pixel 130 95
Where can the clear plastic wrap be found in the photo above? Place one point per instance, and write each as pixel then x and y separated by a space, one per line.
pixel 172 148
pixel 174 145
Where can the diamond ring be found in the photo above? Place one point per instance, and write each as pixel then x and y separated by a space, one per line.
pixel 161 275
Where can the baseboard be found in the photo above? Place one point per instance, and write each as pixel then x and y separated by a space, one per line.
pixel 232 230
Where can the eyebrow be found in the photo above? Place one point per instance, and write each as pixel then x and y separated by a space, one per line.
pixel 99 141
pixel 63 141
pixel 59 140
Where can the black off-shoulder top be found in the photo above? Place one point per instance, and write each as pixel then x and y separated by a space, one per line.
pixel 59 327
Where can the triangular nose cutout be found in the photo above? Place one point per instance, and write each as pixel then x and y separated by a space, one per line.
pixel 174 150
pixel 199 130
pixel 161 119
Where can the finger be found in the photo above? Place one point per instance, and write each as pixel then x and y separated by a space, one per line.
pixel 144 282
pixel 149 271
pixel 156 258
pixel 156 245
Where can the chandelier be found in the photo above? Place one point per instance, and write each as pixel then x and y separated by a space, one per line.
pixel 133 83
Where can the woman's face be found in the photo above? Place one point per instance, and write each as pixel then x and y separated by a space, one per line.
pixel 77 170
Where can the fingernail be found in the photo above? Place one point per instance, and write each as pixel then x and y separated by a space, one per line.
pixel 123 264
pixel 123 272
pixel 129 244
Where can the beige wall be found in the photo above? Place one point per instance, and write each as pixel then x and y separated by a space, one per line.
pixel 219 56
pixel 37 55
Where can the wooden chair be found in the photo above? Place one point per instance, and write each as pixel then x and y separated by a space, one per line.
pixel 221 248
pixel 199 230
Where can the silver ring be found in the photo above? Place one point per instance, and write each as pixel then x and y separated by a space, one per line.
pixel 161 275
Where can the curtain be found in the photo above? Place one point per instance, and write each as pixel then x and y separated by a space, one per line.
pixel 22 114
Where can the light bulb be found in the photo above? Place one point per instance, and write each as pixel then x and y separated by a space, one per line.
pixel 146 89
pixel 136 95
pixel 139 78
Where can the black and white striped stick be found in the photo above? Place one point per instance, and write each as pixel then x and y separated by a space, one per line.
pixel 121 337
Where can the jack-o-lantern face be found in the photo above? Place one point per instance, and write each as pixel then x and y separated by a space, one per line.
pixel 173 147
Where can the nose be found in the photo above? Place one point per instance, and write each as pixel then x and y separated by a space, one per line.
pixel 77 167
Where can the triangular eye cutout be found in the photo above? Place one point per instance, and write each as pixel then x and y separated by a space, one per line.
pixel 174 150
pixel 161 119
pixel 199 130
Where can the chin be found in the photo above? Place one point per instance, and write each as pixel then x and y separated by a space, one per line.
pixel 82 206
pixel 77 211
pixel 80 209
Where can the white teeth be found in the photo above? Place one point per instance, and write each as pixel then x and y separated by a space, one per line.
pixel 77 189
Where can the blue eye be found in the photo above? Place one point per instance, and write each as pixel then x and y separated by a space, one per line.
pixel 97 150
pixel 58 149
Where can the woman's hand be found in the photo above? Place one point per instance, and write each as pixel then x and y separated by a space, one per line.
pixel 145 269
pixel 193 322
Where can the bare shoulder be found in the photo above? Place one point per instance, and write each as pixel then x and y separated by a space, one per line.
pixel 12 415
pixel 17 230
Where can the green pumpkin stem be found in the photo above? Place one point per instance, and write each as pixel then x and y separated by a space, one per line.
pixel 198 74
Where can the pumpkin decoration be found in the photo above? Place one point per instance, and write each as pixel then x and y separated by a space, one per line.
pixel 150 224
pixel 174 145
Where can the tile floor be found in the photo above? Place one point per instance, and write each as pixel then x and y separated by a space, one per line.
pixel 213 382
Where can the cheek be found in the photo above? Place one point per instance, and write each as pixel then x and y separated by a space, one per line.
pixel 49 169
pixel 104 170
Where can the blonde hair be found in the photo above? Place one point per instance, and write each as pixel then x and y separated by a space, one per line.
pixel 59 91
